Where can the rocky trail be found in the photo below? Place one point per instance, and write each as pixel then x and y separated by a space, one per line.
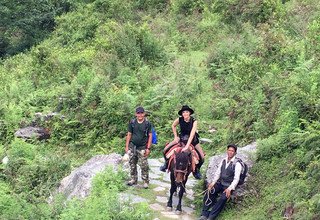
pixel 158 192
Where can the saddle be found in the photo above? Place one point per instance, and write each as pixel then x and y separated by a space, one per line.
pixel 170 155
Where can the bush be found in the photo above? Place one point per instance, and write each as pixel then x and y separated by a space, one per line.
pixel 154 5
pixel 12 206
pixel 113 9
pixel 32 175
pixel 270 147
pixel 34 21
pixel 187 7
pixel 243 11
pixel 131 44
pixel 103 202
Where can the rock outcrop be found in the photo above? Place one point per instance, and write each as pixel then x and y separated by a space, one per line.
pixel 78 183
pixel 35 128
pixel 33 132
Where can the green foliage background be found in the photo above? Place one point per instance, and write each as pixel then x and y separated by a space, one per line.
pixel 250 69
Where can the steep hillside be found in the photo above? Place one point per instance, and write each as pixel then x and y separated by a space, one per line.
pixel 250 69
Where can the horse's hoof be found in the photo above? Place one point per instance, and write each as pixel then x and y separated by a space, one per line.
pixel 178 212
pixel 169 208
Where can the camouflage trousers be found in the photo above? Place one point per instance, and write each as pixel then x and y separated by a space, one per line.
pixel 136 156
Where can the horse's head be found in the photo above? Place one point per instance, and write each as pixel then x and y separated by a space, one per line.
pixel 182 166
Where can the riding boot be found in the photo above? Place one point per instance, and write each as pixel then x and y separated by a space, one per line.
pixel 197 173
pixel 164 167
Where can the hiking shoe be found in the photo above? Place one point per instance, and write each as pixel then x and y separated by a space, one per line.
pixel 145 185
pixel 197 175
pixel 202 217
pixel 132 182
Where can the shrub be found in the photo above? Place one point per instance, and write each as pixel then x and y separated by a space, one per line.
pixel 273 146
pixel 78 26
pixel 243 11
pixel 103 202
pixel 313 38
pixel 130 43
pixel 113 9
pixel 37 179
pixel 187 7
pixel 155 5
pixel 12 206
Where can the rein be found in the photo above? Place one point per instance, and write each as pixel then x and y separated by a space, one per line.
pixel 207 192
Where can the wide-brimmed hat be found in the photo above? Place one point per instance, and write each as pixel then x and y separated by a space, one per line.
pixel 185 108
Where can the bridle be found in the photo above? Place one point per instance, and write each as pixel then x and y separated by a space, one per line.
pixel 185 171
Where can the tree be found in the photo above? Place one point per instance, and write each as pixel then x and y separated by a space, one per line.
pixel 26 23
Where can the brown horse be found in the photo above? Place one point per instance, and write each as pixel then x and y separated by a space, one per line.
pixel 180 168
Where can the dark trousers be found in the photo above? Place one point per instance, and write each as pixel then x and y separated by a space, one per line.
pixel 211 208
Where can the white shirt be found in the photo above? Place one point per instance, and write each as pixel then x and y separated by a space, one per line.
pixel 237 172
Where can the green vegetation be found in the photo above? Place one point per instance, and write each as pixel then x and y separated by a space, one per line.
pixel 250 69
pixel 25 23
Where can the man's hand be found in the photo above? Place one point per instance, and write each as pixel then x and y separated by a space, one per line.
pixel 146 154
pixel 210 186
pixel 228 193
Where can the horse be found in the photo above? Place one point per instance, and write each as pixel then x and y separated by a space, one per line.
pixel 180 168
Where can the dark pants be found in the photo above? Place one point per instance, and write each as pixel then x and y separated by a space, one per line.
pixel 209 202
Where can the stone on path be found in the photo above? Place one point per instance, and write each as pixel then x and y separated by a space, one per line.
pixel 133 199
pixel 159 189
pixel 157 207
pixel 162 199
pixel 172 215
pixel 160 183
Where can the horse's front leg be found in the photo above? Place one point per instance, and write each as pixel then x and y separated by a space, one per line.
pixel 181 192
pixel 173 188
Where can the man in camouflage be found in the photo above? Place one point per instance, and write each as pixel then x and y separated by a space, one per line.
pixel 138 143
